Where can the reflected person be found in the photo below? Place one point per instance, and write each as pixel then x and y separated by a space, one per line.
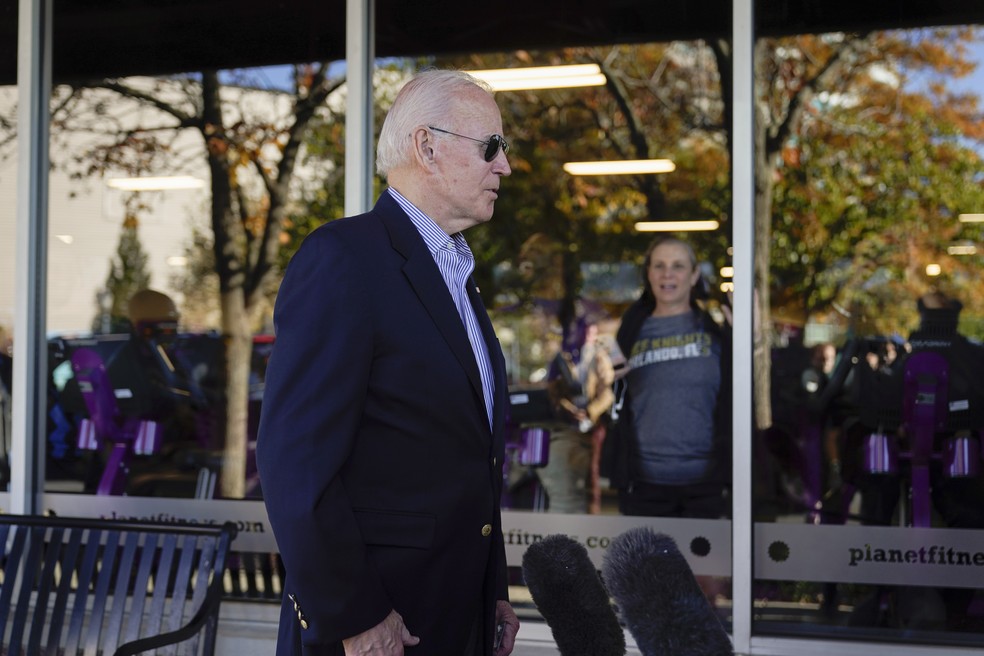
pixel 580 391
pixel 677 408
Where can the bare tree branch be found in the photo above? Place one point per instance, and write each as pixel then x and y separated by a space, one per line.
pixel 797 105
pixel 185 120
pixel 304 112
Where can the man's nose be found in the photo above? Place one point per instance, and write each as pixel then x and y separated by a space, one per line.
pixel 501 164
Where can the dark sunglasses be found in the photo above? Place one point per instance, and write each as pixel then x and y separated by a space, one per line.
pixel 492 144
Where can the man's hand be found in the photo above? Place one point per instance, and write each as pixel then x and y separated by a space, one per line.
pixel 385 639
pixel 504 615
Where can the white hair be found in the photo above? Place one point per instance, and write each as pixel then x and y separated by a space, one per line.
pixel 428 98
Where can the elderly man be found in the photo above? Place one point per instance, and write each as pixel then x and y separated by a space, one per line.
pixel 382 434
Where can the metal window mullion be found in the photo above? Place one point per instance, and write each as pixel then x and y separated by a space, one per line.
pixel 743 240
pixel 360 52
pixel 29 400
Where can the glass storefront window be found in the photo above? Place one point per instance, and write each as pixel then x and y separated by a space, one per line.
pixel 874 324
pixel 163 258
pixel 866 493
pixel 563 261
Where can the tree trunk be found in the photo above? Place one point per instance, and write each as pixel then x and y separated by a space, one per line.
pixel 230 265
pixel 238 342
pixel 762 358
pixel 762 354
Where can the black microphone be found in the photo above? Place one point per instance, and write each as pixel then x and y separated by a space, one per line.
pixel 658 597
pixel 569 594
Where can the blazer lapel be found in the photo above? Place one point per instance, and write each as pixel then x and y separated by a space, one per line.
pixel 426 280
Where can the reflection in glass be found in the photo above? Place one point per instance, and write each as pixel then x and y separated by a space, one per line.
pixel 8 200
pixel 566 259
pixel 873 323
pixel 869 182
pixel 180 394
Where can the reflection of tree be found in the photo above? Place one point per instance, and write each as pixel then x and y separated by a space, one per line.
pixel 854 190
pixel 818 100
pixel 127 274
pixel 324 154
pixel 794 78
pixel 591 219
pixel 864 204
pixel 197 282
pixel 251 147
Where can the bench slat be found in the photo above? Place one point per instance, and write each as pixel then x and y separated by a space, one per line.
pixel 142 582
pixel 122 570
pixel 161 585
pixel 69 561
pixel 205 569
pixel 28 576
pixel 179 593
pixel 6 585
pixel 44 586
pixel 90 552
pixel 107 566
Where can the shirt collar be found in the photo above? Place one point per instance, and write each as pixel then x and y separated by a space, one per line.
pixel 435 238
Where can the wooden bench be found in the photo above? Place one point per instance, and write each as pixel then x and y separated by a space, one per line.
pixel 99 587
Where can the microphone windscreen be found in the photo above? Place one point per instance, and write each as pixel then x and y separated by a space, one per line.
pixel 568 592
pixel 658 597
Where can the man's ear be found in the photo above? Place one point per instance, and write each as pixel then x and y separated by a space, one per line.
pixel 423 147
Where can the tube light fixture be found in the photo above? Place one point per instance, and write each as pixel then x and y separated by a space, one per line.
pixel 962 249
pixel 677 226
pixel 933 269
pixel 972 218
pixel 542 77
pixel 727 272
pixel 156 183
pixel 623 167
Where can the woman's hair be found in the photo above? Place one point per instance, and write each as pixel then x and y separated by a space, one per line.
pixel 696 292
pixel 427 99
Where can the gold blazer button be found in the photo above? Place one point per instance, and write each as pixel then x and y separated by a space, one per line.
pixel 486 530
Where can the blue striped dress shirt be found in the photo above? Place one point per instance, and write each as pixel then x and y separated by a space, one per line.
pixel 456 262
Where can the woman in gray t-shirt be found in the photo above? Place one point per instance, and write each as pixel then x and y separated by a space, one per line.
pixel 678 400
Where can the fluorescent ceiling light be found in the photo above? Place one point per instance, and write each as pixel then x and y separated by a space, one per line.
pixel 933 269
pixel 962 249
pixel 156 184
pixel 624 167
pixel 727 272
pixel 727 287
pixel 677 226
pixel 972 218
pixel 542 77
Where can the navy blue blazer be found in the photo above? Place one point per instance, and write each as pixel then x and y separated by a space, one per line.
pixel 380 474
